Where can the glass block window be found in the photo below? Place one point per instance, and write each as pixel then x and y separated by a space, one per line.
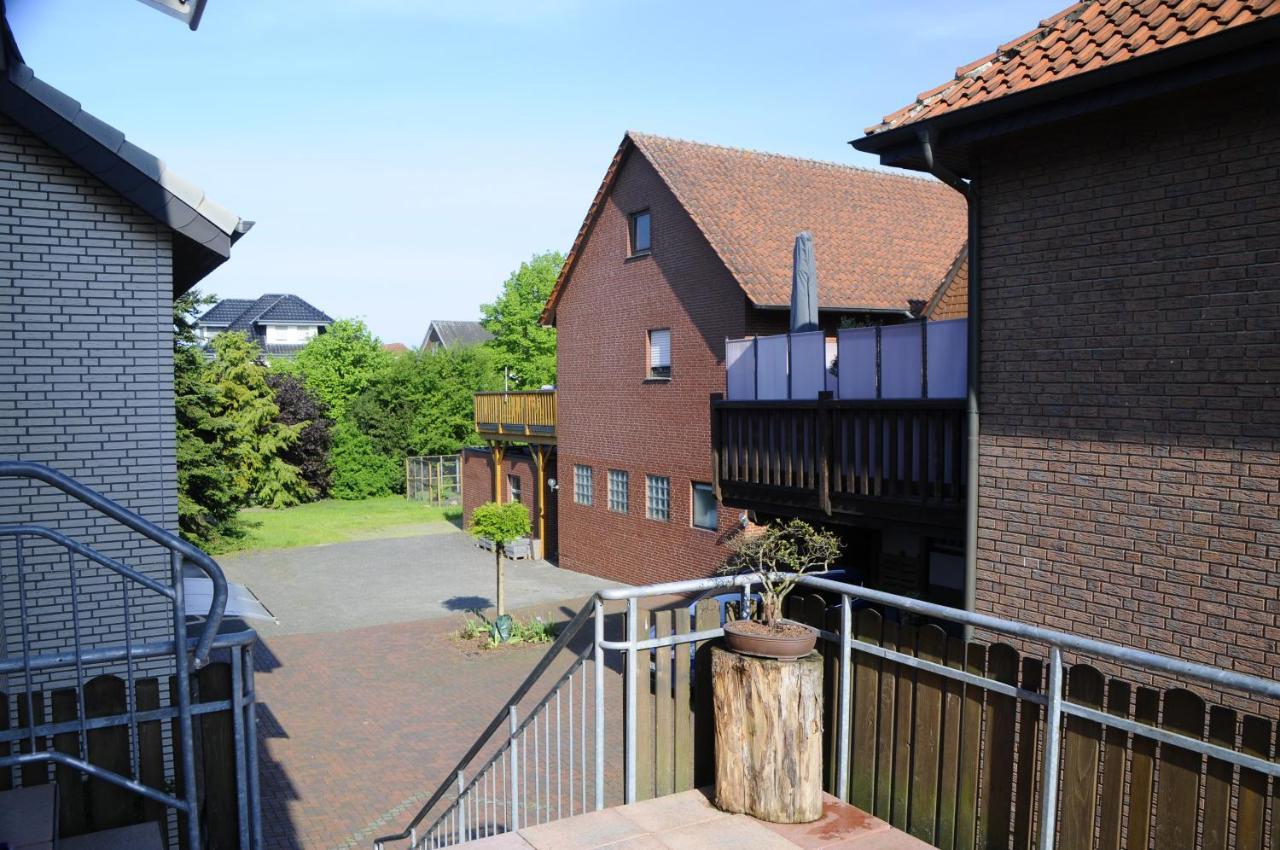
pixel 582 484
pixel 658 497
pixel 705 514
pixel 618 481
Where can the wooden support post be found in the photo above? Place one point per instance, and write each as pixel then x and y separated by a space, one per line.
pixel 540 461
pixel 824 452
pixel 498 451
pixel 716 449
pixel 768 721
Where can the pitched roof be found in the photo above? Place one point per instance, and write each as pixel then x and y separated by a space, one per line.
pixel 1084 37
pixel 208 230
pixel 395 347
pixel 456 333
pixel 290 310
pixel 225 311
pixel 881 241
pixel 240 314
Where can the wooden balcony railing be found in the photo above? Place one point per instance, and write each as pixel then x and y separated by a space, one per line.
pixel 523 416
pixel 895 459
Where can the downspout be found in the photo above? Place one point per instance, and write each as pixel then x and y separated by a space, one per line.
pixel 968 189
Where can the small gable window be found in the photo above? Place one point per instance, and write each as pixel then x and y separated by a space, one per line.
pixel 660 353
pixel 640 236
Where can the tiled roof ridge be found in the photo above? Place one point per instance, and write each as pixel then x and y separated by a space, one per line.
pixel 267 309
pixel 978 67
pixel 640 137
pixel 1087 35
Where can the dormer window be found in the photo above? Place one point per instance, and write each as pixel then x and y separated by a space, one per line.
pixel 640 235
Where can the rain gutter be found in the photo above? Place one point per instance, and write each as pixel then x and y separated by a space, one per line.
pixel 968 188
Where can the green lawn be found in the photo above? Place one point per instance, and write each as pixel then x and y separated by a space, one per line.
pixel 336 521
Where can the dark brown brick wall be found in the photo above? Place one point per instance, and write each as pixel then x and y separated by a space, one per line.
pixel 477 486
pixel 611 417
pixel 1130 476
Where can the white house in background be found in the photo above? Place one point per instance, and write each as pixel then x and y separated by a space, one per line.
pixel 280 324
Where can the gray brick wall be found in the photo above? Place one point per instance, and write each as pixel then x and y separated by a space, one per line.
pixel 86 385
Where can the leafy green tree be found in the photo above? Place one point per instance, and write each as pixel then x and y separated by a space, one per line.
pixel 254 445
pixel 503 524
pixel 524 346
pixel 359 469
pixel 446 422
pixel 208 498
pixel 338 365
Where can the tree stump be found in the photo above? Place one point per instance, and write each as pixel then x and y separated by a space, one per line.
pixel 768 720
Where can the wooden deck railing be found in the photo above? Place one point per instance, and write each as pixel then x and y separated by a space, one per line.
pixel 528 416
pixel 872 457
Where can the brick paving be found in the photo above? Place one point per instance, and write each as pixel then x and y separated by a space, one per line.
pixel 356 727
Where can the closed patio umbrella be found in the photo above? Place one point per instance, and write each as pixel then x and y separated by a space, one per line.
pixel 804 286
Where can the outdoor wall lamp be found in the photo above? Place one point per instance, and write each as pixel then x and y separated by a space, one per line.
pixel 553 485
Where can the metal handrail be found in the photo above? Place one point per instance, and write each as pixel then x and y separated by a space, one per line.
pixel 143 526
pixel 1057 705
pixel 562 640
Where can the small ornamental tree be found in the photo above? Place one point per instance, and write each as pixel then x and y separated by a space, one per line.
pixel 310 454
pixel 502 524
pixel 782 553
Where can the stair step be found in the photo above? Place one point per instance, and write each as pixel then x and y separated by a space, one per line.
pixel 27 816
pixel 142 836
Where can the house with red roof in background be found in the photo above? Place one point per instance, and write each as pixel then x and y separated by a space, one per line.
pixel 1121 165
pixel 685 246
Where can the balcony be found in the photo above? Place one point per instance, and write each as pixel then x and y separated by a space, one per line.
pixel 886 459
pixel 929 739
pixel 517 417
pixel 868 426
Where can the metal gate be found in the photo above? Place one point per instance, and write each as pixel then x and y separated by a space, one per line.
pixel 435 479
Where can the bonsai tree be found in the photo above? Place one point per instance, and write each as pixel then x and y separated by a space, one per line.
pixel 781 553
pixel 503 524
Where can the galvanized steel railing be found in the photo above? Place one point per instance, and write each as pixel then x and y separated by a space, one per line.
pixel 187 654
pixel 497 797
pixel 465 818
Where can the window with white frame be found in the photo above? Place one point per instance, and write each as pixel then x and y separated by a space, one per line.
pixel 513 488
pixel 705 512
pixel 582 485
pixel 660 353
pixel 618 480
pixel 658 497
pixel 290 334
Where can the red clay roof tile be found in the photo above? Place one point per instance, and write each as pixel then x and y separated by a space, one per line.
pixel 1084 37
pixel 881 240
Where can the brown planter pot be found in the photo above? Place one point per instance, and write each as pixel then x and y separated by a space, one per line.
pixel 741 637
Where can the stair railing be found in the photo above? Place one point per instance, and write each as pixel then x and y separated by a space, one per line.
pixel 187 656
pixel 499 795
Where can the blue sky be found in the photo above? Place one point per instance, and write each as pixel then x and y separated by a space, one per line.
pixel 401 157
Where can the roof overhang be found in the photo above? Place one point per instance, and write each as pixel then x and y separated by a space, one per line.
pixel 1234 51
pixel 203 231
pixel 187 11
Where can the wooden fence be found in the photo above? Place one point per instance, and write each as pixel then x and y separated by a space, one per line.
pixel 88 805
pixel 958 766
pixel 434 479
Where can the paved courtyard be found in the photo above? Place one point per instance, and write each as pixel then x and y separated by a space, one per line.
pixel 365 700
pixel 374 582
